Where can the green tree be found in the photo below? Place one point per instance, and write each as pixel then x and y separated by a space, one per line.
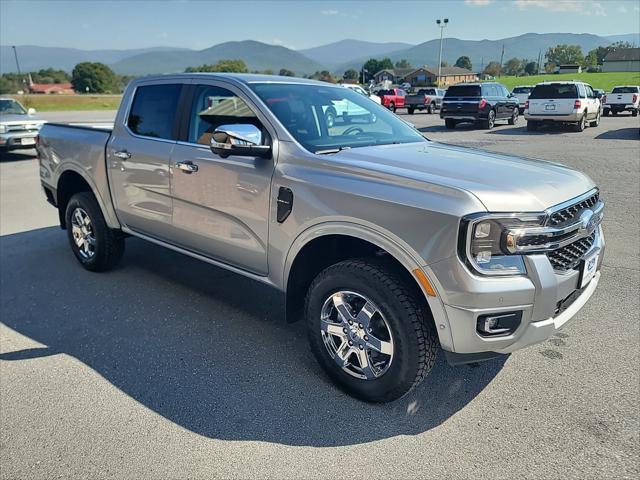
pixel 373 66
pixel 561 54
pixel 324 76
pixel 286 73
pixel 514 66
pixel 403 63
pixel 226 65
pixel 94 77
pixel 351 74
pixel 444 63
pixel 464 62
pixel 493 68
pixel 531 68
pixel 50 75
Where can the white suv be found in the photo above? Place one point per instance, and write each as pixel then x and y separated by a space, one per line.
pixel 563 102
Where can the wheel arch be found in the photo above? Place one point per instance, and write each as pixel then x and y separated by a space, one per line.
pixel 70 182
pixel 326 244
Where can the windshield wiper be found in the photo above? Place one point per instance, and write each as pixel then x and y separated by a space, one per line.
pixel 331 150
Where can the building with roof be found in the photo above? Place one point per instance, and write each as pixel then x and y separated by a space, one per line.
pixel 622 60
pixel 426 76
pixel 51 88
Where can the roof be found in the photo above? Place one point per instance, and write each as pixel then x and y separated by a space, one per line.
pixel 245 78
pixel 623 55
pixel 444 71
pixel 398 72
pixel 44 87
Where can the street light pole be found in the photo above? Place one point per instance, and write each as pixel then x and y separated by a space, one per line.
pixel 15 52
pixel 441 24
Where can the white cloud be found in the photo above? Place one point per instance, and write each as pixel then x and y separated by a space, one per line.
pixel 581 7
pixel 329 12
pixel 479 3
pixel 277 41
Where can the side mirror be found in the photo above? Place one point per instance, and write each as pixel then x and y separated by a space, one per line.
pixel 31 111
pixel 243 140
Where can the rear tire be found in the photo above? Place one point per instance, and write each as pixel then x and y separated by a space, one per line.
pixel 605 112
pixel 634 113
pixel 614 112
pixel 411 110
pixel 97 247
pixel 490 122
pixel 582 123
pixel 399 322
pixel 532 126
pixel 392 107
pixel 450 123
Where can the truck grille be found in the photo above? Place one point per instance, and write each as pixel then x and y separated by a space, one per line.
pixel 571 213
pixel 569 256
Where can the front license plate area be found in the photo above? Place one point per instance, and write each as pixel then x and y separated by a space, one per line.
pixel 588 269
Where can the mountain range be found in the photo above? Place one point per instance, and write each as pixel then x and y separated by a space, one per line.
pixel 336 57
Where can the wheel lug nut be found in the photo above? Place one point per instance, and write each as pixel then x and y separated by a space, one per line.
pixel 360 347
pixel 350 322
pixel 366 338
pixel 360 325
pixel 344 330
pixel 350 343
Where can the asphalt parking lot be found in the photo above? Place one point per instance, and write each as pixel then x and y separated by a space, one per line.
pixel 167 367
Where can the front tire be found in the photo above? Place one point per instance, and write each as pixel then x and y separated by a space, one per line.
pixel 532 126
pixel 369 331
pixel 97 247
pixel 392 107
pixel 595 122
pixel 514 116
pixel 430 109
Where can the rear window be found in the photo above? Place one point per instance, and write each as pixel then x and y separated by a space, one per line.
pixel 153 111
pixel 554 90
pixel 625 90
pixel 427 91
pixel 463 91
pixel 522 89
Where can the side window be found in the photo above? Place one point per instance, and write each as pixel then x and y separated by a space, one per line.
pixel 590 92
pixel 505 92
pixel 213 107
pixel 493 91
pixel 153 111
pixel 581 92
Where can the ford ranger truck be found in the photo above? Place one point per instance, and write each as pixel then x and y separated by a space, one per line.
pixel 390 247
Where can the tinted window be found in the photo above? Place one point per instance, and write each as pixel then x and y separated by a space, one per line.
pixel 554 90
pixel 326 118
pixel 625 90
pixel 11 107
pixel 522 89
pixel 153 111
pixel 581 90
pixel 463 91
pixel 215 106
pixel 427 91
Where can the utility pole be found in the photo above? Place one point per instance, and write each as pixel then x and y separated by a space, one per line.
pixel 441 23
pixel 502 58
pixel 539 60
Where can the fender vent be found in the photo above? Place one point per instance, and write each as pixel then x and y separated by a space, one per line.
pixel 285 203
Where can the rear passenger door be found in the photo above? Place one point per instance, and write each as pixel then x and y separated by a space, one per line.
pixel 221 206
pixel 138 156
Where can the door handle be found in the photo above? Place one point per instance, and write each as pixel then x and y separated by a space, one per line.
pixel 187 167
pixel 122 154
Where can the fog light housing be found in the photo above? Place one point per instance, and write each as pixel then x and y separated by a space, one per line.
pixel 498 324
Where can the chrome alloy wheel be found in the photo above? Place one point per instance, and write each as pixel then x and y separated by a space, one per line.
pixel 83 235
pixel 356 335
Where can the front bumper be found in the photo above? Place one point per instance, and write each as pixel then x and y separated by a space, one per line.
pixel 548 300
pixel 19 139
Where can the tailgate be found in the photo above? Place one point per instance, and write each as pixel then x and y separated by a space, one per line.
pixel 551 106
pixel 414 100
pixel 461 105
pixel 620 98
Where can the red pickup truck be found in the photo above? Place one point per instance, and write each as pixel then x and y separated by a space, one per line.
pixel 392 98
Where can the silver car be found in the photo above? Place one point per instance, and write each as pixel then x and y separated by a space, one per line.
pixel 18 125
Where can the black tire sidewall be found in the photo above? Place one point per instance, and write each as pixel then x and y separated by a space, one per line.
pixel 402 373
pixel 101 232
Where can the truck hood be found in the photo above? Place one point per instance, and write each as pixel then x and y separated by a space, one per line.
pixel 502 183
pixel 20 119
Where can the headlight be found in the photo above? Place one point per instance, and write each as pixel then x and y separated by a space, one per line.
pixel 3 129
pixel 486 242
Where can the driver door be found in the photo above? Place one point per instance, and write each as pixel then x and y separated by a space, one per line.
pixel 221 205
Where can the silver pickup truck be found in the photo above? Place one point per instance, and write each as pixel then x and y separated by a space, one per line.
pixel 390 246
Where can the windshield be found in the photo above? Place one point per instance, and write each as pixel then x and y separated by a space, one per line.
pixel 11 107
pixel 554 90
pixel 625 90
pixel 325 119
pixel 463 91
pixel 522 89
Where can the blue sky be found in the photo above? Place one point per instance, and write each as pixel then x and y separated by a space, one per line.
pixel 298 24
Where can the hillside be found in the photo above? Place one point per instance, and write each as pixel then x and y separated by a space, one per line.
pixel 337 53
pixel 482 52
pixel 257 56
pixel 35 58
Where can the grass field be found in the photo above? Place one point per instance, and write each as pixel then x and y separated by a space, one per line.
pixel 53 103
pixel 605 81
